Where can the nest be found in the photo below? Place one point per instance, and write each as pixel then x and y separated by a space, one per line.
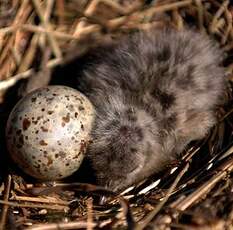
pixel 194 193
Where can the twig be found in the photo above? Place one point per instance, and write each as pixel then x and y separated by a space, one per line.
pixel 153 213
pixel 47 26
pixel 178 19
pixel 29 55
pixel 49 200
pixel 90 214
pixel 21 17
pixel 212 27
pixel 47 14
pixel 206 187
pixel 168 7
pixel 16 56
pixel 5 206
pixel 56 226
pixel 42 206
pixel 94 4
pixel 200 14
pixel 229 26
pixel 11 81
pixel 61 35
pixel 97 190
pixel 6 61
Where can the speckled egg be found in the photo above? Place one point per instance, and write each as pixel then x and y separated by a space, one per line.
pixel 48 131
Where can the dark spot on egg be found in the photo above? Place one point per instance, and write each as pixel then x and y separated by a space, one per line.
pixel 78 99
pixel 81 108
pixel 50 161
pixel 50 112
pixel 44 129
pixel 37 166
pixel 58 142
pixel 61 154
pixel 67 97
pixel 26 123
pixel 43 143
pixel 49 99
pixel 76 114
pixel 43 109
pixel 83 146
pixel 76 156
pixel 35 122
pixel 70 108
pixel 33 99
pixel 18 146
pixel 66 118
pixel 18 132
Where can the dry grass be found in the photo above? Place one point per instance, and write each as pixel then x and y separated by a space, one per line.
pixel 194 193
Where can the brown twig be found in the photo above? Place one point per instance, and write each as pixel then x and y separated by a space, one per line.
pixel 213 24
pixel 56 226
pixel 11 81
pixel 46 25
pixel 90 214
pixel 200 14
pixel 29 205
pixel 206 187
pixel 153 213
pixel 5 206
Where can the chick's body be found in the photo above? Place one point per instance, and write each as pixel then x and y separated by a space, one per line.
pixel 154 92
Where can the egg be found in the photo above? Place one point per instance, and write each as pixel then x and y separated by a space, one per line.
pixel 48 132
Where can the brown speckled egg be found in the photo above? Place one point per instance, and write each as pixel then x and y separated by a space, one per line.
pixel 48 131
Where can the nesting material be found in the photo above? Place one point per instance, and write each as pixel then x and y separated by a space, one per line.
pixel 36 36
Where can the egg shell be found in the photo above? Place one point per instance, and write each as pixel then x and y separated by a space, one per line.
pixel 48 131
